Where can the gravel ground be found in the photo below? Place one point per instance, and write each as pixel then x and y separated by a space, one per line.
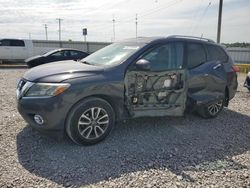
pixel 147 152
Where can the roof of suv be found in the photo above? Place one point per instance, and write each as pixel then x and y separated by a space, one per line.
pixel 179 37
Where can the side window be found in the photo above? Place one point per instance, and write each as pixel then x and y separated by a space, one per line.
pixel 57 54
pixel 4 42
pixel 19 43
pixel 66 53
pixel 74 53
pixel 166 57
pixel 215 53
pixel 196 55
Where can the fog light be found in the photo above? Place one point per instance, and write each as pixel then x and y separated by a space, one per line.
pixel 38 119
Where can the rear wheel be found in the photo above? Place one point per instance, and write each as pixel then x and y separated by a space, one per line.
pixel 90 121
pixel 212 109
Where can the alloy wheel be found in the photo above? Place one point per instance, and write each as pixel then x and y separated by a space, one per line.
pixel 93 123
pixel 214 108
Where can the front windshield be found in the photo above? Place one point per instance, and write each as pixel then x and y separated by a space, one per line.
pixel 113 54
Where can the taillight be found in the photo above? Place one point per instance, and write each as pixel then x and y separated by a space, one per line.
pixel 235 68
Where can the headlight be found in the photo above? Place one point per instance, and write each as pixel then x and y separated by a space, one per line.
pixel 46 89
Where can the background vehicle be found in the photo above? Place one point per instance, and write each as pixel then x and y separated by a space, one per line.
pixel 19 49
pixel 56 55
pixel 134 78
pixel 247 81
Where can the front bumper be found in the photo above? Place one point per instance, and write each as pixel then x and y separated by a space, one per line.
pixel 53 110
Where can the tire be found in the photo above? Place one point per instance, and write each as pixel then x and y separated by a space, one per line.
pixel 211 110
pixel 90 121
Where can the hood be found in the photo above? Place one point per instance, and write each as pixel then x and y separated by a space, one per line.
pixel 60 71
pixel 32 58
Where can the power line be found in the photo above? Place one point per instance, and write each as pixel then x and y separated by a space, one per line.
pixel 194 17
pixel 146 13
pixel 201 18
pixel 154 10
pixel 171 3
pixel 126 21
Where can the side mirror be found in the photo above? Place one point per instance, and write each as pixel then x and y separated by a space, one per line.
pixel 143 65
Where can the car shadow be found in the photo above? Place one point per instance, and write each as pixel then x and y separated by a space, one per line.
pixel 183 144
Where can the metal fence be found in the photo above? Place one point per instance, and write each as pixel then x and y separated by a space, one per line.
pixel 240 55
pixel 89 47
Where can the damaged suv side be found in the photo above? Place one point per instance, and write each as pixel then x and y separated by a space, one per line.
pixel 133 78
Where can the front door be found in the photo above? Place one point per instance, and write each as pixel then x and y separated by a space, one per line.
pixel 161 90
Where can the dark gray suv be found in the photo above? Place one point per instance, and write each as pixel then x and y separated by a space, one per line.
pixel 128 79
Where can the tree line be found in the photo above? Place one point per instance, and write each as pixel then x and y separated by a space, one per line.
pixel 237 44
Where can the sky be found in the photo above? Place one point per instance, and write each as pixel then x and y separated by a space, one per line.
pixel 26 19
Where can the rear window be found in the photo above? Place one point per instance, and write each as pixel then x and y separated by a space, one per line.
pixel 11 42
pixel 196 55
pixel 215 53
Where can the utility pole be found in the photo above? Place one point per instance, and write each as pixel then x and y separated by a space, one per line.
pixel 59 22
pixel 219 21
pixel 136 23
pixel 46 31
pixel 113 27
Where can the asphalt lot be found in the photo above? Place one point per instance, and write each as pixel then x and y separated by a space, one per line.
pixel 146 152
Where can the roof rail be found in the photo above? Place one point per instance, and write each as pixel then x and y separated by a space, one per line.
pixel 190 37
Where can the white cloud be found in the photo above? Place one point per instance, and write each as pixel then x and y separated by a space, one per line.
pixel 155 18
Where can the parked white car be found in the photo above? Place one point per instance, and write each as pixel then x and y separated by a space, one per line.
pixel 18 49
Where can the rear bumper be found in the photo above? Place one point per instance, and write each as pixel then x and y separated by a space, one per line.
pixel 232 86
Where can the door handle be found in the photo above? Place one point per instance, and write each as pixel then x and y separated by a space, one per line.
pixel 217 66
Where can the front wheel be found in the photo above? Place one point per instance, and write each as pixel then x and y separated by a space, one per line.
pixel 212 109
pixel 90 121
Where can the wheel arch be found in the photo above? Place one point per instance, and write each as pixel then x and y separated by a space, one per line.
pixel 74 108
pixel 113 103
